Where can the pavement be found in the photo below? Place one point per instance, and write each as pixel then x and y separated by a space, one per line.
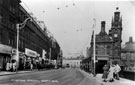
pixel 99 79
pixel 122 81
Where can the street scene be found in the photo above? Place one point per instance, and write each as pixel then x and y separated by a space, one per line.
pixel 67 42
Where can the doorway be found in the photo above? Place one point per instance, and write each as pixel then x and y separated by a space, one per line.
pixel 99 66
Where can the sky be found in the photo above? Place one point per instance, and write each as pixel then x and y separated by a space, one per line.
pixel 71 21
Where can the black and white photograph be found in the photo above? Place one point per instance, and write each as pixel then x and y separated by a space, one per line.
pixel 67 42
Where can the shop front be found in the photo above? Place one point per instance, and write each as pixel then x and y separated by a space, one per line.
pixel 22 58
pixel 31 57
pixel 5 55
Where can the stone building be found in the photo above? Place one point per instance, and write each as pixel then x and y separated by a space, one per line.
pixel 12 13
pixel 115 34
pixel 107 45
pixel 73 63
pixel 103 47
pixel 128 55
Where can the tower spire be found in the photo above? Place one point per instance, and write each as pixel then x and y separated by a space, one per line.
pixel 117 5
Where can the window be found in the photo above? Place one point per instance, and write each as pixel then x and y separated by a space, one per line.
pixel 12 7
pixel 108 52
pixel 96 51
pixel 12 22
pixel 1 1
pixel 0 37
pixel 96 47
pixel 1 16
pixel 11 39
pixel 21 43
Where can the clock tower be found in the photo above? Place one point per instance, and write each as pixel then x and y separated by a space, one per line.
pixel 115 34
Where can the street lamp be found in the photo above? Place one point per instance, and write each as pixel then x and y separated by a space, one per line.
pixel 20 26
pixel 51 39
pixel 94 55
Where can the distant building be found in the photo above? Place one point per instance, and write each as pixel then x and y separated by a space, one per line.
pixel 72 63
pixel 128 55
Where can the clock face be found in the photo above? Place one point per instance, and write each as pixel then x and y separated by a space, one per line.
pixel 115 35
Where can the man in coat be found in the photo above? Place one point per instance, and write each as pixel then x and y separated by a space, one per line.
pixel 117 69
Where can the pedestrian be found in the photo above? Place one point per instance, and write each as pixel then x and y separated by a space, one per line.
pixel 117 69
pixel 14 66
pixel 8 66
pixel 11 66
pixel 105 72
pixel 31 66
pixel 111 71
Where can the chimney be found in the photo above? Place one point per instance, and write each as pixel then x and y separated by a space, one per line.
pixel 130 40
pixel 102 26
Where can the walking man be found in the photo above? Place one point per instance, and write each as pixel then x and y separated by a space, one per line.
pixel 31 66
pixel 14 66
pixel 105 73
pixel 117 69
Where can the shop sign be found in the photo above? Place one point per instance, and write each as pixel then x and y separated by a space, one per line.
pixel 43 54
pixel 14 56
pixel 14 51
pixel 102 58
pixel 30 53
pixel 5 49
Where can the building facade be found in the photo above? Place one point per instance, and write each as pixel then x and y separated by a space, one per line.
pixel 34 43
pixel 103 48
pixel 128 55
pixel 9 10
pixel 107 45
pixel 72 63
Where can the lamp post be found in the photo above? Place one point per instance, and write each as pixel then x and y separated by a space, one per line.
pixel 94 55
pixel 18 27
pixel 51 38
pixel 50 55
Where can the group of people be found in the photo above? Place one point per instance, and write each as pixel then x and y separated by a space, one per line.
pixel 111 72
pixel 11 66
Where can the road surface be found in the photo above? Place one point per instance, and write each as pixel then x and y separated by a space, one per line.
pixel 51 77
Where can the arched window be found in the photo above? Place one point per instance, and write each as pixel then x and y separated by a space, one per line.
pixel 108 50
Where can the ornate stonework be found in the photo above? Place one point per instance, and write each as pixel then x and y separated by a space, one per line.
pixel 109 45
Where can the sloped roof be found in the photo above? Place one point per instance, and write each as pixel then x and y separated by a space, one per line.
pixel 129 47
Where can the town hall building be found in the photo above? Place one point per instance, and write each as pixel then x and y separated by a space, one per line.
pixel 107 45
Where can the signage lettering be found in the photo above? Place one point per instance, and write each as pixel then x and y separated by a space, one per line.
pixel 5 49
pixel 31 53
